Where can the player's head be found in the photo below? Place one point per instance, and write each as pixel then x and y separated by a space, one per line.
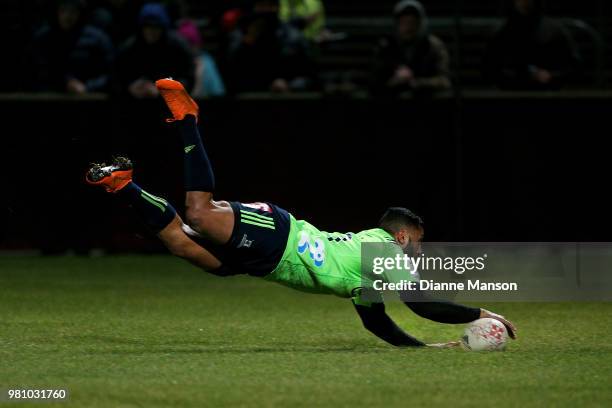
pixel 266 6
pixel 262 20
pixel 154 22
pixel 406 227
pixel 526 9
pixel 189 31
pixel 410 19
pixel 69 13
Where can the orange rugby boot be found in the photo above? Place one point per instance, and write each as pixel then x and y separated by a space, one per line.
pixel 114 177
pixel 178 100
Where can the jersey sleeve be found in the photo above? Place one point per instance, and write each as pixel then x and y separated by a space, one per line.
pixel 366 297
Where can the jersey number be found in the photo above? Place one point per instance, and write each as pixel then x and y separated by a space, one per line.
pixel 316 248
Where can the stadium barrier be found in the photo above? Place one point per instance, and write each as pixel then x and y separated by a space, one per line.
pixel 489 166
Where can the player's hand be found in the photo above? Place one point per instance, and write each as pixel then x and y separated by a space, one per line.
pixel 509 325
pixel 403 75
pixel 74 86
pixel 280 85
pixel 542 76
pixel 450 344
pixel 151 90
pixel 143 88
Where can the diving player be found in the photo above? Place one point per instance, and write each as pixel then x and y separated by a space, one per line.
pixel 264 240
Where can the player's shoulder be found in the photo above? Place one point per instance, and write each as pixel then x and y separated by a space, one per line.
pixel 375 235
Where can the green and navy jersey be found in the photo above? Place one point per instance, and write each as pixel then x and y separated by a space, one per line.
pixel 329 262
pixel 269 242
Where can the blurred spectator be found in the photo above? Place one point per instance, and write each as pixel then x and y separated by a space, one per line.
pixel 67 55
pixel 412 59
pixel 117 18
pixel 208 81
pixel 531 51
pixel 306 15
pixel 154 52
pixel 266 54
pixel 176 10
pixel 230 19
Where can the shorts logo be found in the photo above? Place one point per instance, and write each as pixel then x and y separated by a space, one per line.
pixel 316 248
pixel 246 243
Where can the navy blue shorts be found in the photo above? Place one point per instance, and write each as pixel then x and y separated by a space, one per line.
pixel 258 239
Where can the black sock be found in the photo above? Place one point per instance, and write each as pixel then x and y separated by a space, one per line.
pixel 198 173
pixel 154 211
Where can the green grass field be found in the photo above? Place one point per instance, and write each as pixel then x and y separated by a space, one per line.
pixel 155 332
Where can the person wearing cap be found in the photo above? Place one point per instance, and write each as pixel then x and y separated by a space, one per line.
pixel 531 51
pixel 68 55
pixel 117 18
pixel 208 81
pixel 412 59
pixel 266 54
pixel 155 51
pixel 307 15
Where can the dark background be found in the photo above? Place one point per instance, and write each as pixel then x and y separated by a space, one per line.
pixel 477 164
pixel 486 168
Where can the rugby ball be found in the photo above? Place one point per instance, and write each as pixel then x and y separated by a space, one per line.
pixel 485 334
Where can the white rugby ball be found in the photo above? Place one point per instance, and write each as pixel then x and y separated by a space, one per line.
pixel 485 335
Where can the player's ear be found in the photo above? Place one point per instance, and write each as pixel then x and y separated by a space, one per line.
pixel 402 237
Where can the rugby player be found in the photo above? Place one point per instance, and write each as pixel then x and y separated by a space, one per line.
pixel 263 240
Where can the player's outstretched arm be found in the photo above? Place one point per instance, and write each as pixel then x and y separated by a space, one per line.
pixel 442 311
pixel 376 320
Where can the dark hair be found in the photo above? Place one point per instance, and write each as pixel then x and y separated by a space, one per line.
pixel 396 218
pixel 80 5
pixel 154 14
pixel 410 8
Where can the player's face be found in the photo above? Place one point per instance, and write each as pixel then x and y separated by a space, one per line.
pixel 408 27
pixel 152 34
pixel 266 6
pixel 410 239
pixel 525 7
pixel 68 17
pixel 118 3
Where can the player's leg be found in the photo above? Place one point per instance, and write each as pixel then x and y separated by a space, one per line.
pixel 179 244
pixel 212 219
pixel 156 213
